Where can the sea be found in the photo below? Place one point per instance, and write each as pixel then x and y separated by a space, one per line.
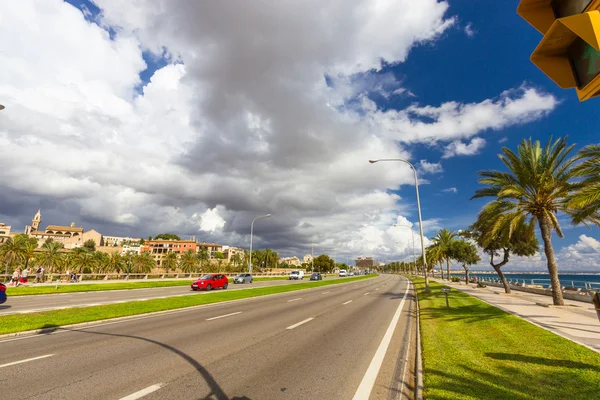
pixel 581 280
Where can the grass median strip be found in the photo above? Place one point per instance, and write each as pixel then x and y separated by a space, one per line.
pixel 47 319
pixel 97 287
pixel 476 351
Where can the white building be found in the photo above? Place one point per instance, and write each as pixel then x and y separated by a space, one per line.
pixel 115 241
pixel 136 249
pixel 290 261
pixel 307 258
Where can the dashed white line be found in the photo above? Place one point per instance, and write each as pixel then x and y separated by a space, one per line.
pixel 299 298
pixel 143 392
pixel 24 361
pixel 223 316
pixel 348 302
pixel 366 294
pixel 377 289
pixel 299 323
pixel 325 292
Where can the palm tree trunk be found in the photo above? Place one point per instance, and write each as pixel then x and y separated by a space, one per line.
pixel 557 296
pixel 466 273
pixel 442 270
pixel 448 268
pixel 497 267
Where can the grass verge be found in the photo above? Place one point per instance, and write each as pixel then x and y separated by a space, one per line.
pixel 96 287
pixel 476 351
pixel 48 319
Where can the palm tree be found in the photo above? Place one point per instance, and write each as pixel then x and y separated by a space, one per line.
pixel 539 183
pixel 443 241
pixel 143 263
pixel 114 262
pixel 29 246
pixel 434 257
pixel 85 260
pixel 11 251
pixel 188 262
pixel 586 200
pixel 203 257
pixel 51 256
pixel 170 261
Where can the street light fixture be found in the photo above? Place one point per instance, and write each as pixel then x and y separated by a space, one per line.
pixel 1 107
pixel 419 209
pixel 251 232
pixel 413 246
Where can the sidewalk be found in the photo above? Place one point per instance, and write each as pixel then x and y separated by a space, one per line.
pixel 576 321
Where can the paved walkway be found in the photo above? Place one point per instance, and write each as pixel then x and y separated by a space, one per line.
pixel 576 321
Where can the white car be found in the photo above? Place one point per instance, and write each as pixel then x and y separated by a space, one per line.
pixel 351 274
pixel 343 272
pixel 296 275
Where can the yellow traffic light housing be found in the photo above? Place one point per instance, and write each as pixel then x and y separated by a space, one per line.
pixel 569 53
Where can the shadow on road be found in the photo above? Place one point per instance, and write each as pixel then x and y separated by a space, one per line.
pixel 215 388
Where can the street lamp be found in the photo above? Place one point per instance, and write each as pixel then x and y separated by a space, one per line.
pixel 251 231
pixel 413 240
pixel 419 209
pixel 1 107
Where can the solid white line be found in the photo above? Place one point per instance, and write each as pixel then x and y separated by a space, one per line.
pixel 349 301
pixel 299 323
pixel 143 392
pixel 299 298
pixel 368 381
pixel 24 361
pixel 223 316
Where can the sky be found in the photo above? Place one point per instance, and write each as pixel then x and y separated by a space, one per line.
pixel 152 116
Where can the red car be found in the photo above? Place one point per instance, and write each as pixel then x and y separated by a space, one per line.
pixel 2 293
pixel 210 281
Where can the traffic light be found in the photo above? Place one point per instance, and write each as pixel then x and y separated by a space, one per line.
pixel 569 52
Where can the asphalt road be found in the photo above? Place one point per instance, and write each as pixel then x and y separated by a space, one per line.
pixel 322 343
pixel 43 302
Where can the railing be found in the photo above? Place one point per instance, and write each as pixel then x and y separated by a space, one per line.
pixel 125 277
pixel 546 284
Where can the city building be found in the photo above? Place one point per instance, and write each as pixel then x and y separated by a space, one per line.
pixel 119 241
pixel 4 232
pixel 70 236
pixel 159 248
pixel 365 262
pixel 133 248
pixel 307 258
pixel 290 261
pixel 212 248
pixel 230 252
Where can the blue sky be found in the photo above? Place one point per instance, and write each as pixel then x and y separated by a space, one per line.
pixel 263 109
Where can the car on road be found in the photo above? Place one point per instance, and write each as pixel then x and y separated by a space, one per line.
pixel 296 275
pixel 316 277
pixel 243 278
pixel 351 274
pixel 2 293
pixel 343 272
pixel 210 281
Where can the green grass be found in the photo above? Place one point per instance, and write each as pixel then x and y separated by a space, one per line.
pixel 476 351
pixel 94 287
pixel 49 319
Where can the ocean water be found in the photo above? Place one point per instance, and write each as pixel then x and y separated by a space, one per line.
pixel 577 279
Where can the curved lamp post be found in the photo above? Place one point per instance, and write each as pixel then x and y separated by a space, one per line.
pixel 251 231
pixel 419 209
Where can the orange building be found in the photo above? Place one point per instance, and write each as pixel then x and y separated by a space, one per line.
pixel 158 248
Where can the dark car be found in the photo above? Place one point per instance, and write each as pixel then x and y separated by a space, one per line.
pixel 2 293
pixel 210 281
pixel 243 278
pixel 316 277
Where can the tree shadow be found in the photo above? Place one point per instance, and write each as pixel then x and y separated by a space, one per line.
pixel 5 307
pixel 542 361
pixel 470 313
pixel 215 388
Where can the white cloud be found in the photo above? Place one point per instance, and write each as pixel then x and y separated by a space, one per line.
pixel 242 125
pixel 430 168
pixel 458 148
pixel 469 31
pixel 503 140
pixel 450 190
pixel 584 254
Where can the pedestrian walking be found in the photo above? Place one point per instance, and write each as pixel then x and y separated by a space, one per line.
pixel 15 277
pixel 24 276
pixel 39 275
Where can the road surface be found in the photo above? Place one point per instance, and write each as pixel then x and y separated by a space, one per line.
pixel 45 302
pixel 322 343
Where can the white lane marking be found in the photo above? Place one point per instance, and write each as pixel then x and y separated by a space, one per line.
pixel 24 361
pixel 143 392
pixel 299 298
pixel 223 316
pixel 348 302
pixel 299 323
pixel 377 289
pixel 368 381
pixel 366 294
pixel 325 292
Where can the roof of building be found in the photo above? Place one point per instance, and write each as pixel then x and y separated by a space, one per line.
pixel 63 228
pixel 40 233
pixel 169 241
pixel 209 244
